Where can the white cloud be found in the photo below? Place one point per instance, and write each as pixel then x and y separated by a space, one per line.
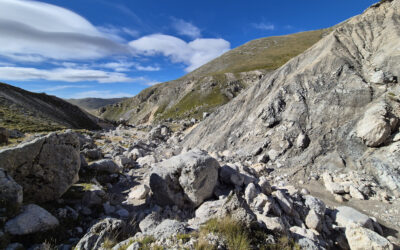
pixel 186 28
pixel 116 33
pixel 101 94
pixel 63 74
pixel 264 26
pixel 193 54
pixel 62 87
pixel 31 29
pixel 123 66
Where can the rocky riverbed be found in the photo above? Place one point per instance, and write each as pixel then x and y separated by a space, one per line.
pixel 137 188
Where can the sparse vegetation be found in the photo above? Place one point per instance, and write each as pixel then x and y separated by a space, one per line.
pixel 234 233
pixel 109 243
pixel 239 237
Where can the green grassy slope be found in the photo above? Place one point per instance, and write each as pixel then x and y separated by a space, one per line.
pixel 33 112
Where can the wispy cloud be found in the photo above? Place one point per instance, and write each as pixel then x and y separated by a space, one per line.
pixel 193 54
pixel 263 26
pixel 117 33
pixel 63 74
pixel 123 66
pixel 186 28
pixel 62 87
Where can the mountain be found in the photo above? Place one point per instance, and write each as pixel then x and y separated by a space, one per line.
pixel 27 111
pixel 215 83
pixel 335 106
pixel 93 104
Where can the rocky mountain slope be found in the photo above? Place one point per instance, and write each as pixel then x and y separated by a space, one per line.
pixel 27 111
pixel 213 84
pixel 333 108
pixel 93 104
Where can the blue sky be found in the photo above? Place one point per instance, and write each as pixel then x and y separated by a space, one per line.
pixel 102 48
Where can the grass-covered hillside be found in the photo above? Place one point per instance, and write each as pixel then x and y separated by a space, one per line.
pixel 33 112
pixel 214 83
pixel 93 104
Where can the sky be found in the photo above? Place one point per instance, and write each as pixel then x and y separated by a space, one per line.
pixel 108 49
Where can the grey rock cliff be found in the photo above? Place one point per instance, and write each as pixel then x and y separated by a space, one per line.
pixel 326 94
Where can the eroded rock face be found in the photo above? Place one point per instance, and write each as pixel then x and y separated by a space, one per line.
pixel 32 219
pixel 326 93
pixel 45 167
pixel 185 180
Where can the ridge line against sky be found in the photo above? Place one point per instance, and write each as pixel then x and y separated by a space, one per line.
pixel 97 48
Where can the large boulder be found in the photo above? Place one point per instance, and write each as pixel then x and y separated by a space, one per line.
pixel 360 238
pixel 345 216
pixel 105 166
pixel 375 127
pixel 45 167
pixel 32 219
pixel 11 195
pixel 185 180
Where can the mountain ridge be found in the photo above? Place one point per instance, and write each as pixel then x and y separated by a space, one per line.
pixel 28 111
pixel 214 83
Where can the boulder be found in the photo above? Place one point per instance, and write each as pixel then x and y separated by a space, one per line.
pixel 374 128
pixel 136 153
pixel 250 193
pixel 11 195
pixel 98 233
pixel 147 160
pixel 185 180
pixel 92 154
pixel 284 201
pixel 360 238
pixel 238 209
pixel 355 193
pixel 265 186
pixel 15 134
pixel 139 192
pixel 105 165
pixel 315 204
pixel 168 228
pixel 3 135
pixel 274 224
pixel 206 211
pixel 32 219
pixel 313 220
pixel 345 216
pixel 228 175
pixel 159 132
pixel 45 167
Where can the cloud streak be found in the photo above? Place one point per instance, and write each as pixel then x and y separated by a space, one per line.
pixel 63 74
pixel 264 26
pixel 31 29
pixel 185 28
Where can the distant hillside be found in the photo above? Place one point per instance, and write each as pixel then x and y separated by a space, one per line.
pixel 214 83
pixel 27 111
pixel 92 104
